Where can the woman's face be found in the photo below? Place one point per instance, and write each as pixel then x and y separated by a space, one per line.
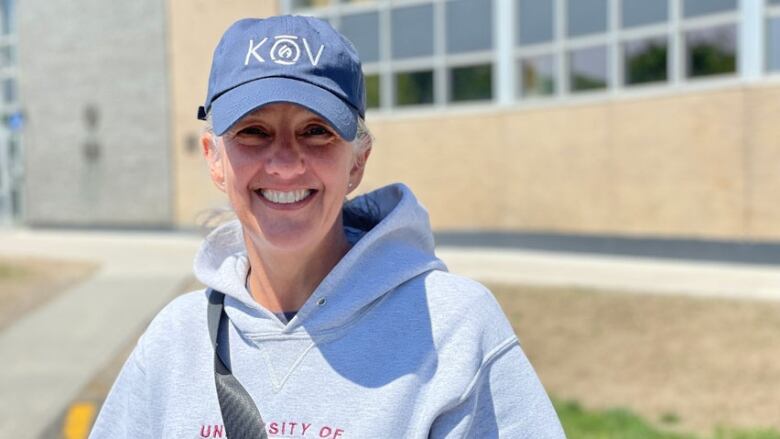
pixel 286 173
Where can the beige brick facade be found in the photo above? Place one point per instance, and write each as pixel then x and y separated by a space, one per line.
pixel 694 164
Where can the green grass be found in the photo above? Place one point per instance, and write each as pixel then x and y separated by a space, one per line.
pixel 622 424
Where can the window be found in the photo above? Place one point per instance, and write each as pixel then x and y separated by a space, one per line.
pixel 537 76
pixel 469 25
pixel 444 52
pixel 363 31
pixel 586 17
pixel 471 83
pixel 645 60
pixel 695 8
pixel 414 88
pixel 7 25
pixel 9 91
pixel 7 56
pixel 412 31
pixel 635 13
pixel 373 93
pixel 416 53
pixel 305 4
pixel 711 51
pixel 535 21
pixel 588 69
pixel 773 49
pixel 773 36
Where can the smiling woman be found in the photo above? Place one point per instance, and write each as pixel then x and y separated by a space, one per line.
pixel 323 317
pixel 286 173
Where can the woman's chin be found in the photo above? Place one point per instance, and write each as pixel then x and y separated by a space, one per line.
pixel 284 237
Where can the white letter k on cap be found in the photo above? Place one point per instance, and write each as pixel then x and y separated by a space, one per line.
pixel 253 51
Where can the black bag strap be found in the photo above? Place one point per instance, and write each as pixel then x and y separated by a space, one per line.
pixel 240 415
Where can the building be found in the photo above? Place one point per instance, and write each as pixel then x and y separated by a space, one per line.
pixel 612 117
pixel 11 169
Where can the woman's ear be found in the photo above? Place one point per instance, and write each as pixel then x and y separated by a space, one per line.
pixel 213 157
pixel 358 167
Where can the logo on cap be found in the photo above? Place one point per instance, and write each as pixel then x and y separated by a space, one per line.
pixel 284 51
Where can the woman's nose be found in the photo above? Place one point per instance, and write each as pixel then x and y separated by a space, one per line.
pixel 285 159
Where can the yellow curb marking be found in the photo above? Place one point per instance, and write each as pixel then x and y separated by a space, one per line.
pixel 78 420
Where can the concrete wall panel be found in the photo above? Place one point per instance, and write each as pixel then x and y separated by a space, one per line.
pixel 94 89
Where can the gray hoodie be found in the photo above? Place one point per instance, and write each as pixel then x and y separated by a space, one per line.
pixel 389 345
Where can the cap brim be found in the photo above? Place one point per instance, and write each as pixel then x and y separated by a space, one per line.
pixel 236 103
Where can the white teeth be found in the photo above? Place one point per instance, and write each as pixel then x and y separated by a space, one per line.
pixel 285 197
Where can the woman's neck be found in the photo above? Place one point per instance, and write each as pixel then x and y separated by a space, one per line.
pixel 283 281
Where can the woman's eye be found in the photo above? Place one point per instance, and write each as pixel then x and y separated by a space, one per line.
pixel 252 132
pixel 317 130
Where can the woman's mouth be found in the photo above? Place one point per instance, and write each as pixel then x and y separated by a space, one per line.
pixel 285 197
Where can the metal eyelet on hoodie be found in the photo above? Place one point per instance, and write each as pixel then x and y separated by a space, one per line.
pixel 322 301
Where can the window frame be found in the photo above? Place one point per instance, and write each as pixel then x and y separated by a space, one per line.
pixel 770 12
pixel 387 67
pixel 506 52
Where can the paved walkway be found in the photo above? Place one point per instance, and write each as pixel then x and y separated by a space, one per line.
pixel 623 274
pixel 52 352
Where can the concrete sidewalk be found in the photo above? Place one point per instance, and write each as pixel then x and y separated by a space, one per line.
pixel 621 274
pixel 52 352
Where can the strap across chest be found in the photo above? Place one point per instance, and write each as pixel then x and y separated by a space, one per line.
pixel 240 415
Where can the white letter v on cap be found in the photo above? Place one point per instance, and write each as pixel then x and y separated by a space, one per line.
pixel 253 51
pixel 314 60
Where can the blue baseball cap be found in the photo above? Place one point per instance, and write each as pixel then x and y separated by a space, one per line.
pixel 300 60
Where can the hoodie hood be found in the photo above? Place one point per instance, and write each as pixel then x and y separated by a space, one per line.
pixel 396 246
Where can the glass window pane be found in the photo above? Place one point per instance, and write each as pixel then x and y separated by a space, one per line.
pixel 538 75
pixel 774 2
pixel 412 31
pixel 773 44
pixel 711 51
pixel 645 61
pixel 372 91
pixel 694 8
pixel 588 68
pixel 535 21
pixel 586 17
pixel 305 4
pixel 471 83
pixel 8 24
pixel 414 88
pixel 7 56
pixel 363 31
pixel 9 91
pixel 640 12
pixel 469 25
